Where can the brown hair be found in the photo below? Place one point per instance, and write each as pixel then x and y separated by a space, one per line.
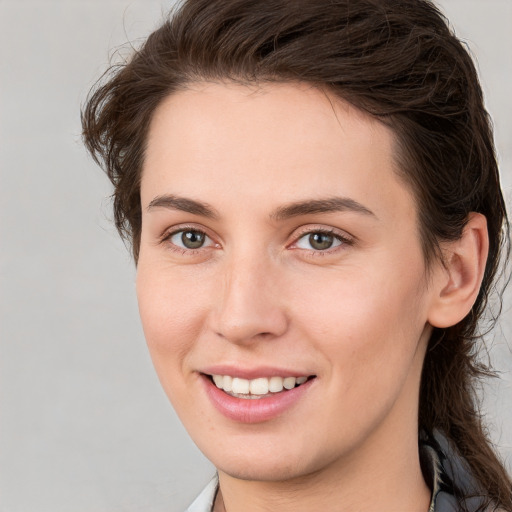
pixel 395 59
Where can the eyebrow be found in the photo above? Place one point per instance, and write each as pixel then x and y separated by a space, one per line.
pixel 328 205
pixel 296 209
pixel 185 205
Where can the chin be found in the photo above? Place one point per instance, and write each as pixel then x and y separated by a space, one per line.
pixel 269 471
pixel 270 463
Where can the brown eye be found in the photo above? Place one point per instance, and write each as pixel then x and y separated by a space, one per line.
pixel 189 239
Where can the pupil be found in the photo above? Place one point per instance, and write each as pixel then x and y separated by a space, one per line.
pixel 321 241
pixel 192 239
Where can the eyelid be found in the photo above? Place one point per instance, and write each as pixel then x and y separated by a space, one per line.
pixel 345 238
pixel 165 237
pixel 342 236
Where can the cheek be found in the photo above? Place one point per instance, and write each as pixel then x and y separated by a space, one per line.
pixel 367 321
pixel 173 310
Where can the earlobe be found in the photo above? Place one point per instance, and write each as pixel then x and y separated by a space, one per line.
pixel 458 278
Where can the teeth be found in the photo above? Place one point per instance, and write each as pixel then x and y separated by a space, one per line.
pixel 219 380
pixel 227 383
pixel 240 386
pixel 289 382
pixel 259 386
pixel 275 384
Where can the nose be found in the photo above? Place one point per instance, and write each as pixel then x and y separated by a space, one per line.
pixel 250 305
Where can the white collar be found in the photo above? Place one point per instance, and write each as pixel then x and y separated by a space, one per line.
pixel 204 502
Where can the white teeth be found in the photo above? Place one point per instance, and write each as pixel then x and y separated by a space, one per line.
pixel 289 382
pixel 260 386
pixel 227 383
pixel 275 384
pixel 240 386
pixel 219 380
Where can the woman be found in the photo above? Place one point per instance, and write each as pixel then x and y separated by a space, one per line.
pixel 312 197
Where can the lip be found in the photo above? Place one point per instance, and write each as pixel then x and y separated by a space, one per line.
pixel 257 410
pixel 252 373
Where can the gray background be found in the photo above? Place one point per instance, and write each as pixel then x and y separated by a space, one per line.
pixel 84 425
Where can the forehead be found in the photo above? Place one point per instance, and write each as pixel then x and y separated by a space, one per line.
pixel 284 114
pixel 274 141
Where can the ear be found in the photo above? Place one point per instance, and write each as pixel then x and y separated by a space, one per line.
pixel 458 277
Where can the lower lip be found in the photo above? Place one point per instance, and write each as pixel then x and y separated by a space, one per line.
pixel 255 410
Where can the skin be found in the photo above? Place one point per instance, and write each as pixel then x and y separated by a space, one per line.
pixel 357 316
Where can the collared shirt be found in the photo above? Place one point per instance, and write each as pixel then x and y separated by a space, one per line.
pixel 204 502
pixel 445 471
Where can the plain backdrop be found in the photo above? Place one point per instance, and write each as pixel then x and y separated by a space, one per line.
pixel 84 425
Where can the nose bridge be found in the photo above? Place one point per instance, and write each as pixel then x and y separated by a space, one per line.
pixel 250 305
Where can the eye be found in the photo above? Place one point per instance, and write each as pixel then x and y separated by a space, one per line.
pixel 190 239
pixel 319 241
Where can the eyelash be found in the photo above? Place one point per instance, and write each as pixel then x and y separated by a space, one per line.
pixel 342 239
pixel 167 236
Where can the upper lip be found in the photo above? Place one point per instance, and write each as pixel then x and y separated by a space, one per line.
pixel 253 372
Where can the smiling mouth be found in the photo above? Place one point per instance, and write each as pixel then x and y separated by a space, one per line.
pixel 261 387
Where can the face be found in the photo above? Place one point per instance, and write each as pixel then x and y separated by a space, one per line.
pixel 279 250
